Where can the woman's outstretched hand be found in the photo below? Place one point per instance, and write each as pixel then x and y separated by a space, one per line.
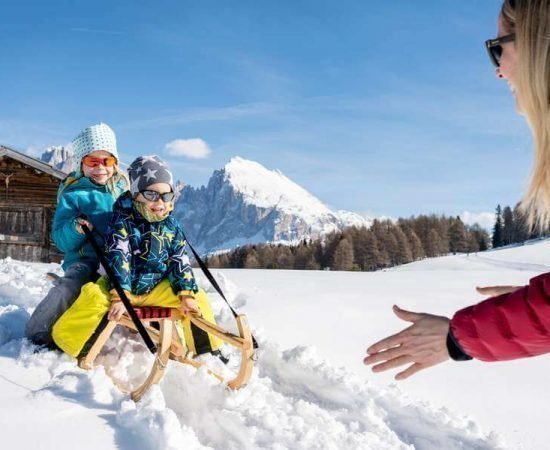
pixel 422 345
pixel 493 291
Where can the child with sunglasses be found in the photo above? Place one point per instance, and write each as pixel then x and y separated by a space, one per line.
pixel 90 191
pixel 145 247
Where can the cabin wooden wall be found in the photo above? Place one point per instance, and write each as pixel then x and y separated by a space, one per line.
pixel 27 203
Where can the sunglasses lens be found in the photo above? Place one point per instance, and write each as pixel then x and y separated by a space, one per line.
pixel 167 196
pixel 497 53
pixel 109 161
pixel 92 161
pixel 152 196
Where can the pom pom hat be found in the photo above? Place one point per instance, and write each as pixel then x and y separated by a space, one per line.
pixel 95 138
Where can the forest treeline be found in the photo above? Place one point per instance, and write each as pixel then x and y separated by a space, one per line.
pixel 511 227
pixel 384 244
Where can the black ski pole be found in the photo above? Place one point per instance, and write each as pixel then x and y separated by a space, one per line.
pixel 139 326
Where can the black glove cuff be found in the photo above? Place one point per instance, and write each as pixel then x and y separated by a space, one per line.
pixel 456 352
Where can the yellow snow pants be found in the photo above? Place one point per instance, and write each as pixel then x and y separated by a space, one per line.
pixel 77 329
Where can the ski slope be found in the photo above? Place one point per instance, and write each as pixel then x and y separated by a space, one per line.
pixel 310 389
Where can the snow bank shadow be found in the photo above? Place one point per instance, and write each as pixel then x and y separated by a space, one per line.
pixel 300 373
pixel 298 401
pixel 12 323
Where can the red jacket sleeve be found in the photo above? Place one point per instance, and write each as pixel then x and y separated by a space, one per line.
pixel 510 326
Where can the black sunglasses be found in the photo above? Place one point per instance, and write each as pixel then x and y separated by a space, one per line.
pixel 154 196
pixel 494 47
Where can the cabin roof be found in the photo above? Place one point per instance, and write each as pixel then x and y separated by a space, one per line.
pixel 33 162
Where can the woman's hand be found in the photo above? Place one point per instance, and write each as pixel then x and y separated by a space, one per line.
pixel 116 311
pixel 493 291
pixel 422 345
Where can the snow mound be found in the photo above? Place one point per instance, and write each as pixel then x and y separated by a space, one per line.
pixel 295 399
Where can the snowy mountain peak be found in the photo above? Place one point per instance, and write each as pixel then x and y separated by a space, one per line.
pixel 270 188
pixel 59 157
pixel 246 203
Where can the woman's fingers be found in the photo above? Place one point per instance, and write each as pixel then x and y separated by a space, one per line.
pixel 408 316
pixel 410 371
pixel 389 342
pixel 392 363
pixel 384 355
pixel 423 343
pixel 492 291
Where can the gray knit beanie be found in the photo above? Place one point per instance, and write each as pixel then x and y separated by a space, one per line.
pixel 148 170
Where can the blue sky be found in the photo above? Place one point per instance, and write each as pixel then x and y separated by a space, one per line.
pixel 390 108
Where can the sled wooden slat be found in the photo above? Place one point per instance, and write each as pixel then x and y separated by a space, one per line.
pixel 170 346
pixel 224 335
pixel 161 360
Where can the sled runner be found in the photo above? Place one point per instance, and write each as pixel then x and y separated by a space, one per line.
pixel 171 346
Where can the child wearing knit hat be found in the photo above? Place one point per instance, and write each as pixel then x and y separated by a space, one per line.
pixel 146 248
pixel 90 192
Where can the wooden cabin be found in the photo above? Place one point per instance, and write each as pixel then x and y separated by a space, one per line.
pixel 28 196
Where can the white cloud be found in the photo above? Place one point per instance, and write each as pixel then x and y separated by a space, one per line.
pixel 484 219
pixel 190 148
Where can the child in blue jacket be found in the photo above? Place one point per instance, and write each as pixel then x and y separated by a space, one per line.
pixel 90 191
pixel 145 247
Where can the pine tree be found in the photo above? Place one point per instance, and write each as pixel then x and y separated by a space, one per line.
pixel 472 245
pixel 283 257
pixel 416 245
pixel 521 229
pixel 404 252
pixel 497 229
pixel 508 227
pixel 251 260
pixel 457 237
pixel 373 259
pixel 481 237
pixel 302 255
pixel 213 261
pixel 343 256
pixel 224 260
pixel 265 256
pixel 433 244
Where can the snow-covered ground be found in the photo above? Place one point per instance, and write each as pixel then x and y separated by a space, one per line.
pixel 310 389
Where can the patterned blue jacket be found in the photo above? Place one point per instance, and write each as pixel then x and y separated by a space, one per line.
pixel 143 253
pixel 77 197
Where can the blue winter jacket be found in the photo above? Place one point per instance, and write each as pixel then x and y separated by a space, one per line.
pixel 78 197
pixel 143 253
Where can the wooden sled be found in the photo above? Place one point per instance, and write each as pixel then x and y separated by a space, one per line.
pixel 170 346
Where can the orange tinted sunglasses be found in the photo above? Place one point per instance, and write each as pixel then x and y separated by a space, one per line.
pixel 93 161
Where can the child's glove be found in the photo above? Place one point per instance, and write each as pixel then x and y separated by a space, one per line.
pixel 188 302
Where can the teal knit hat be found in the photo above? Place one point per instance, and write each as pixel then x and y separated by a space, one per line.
pixel 91 139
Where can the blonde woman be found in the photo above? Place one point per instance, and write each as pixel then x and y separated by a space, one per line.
pixel 88 192
pixel 516 322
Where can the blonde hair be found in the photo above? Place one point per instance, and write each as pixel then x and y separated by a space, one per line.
pixel 118 175
pixel 530 21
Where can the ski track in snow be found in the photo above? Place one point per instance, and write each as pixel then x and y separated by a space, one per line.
pixel 295 400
